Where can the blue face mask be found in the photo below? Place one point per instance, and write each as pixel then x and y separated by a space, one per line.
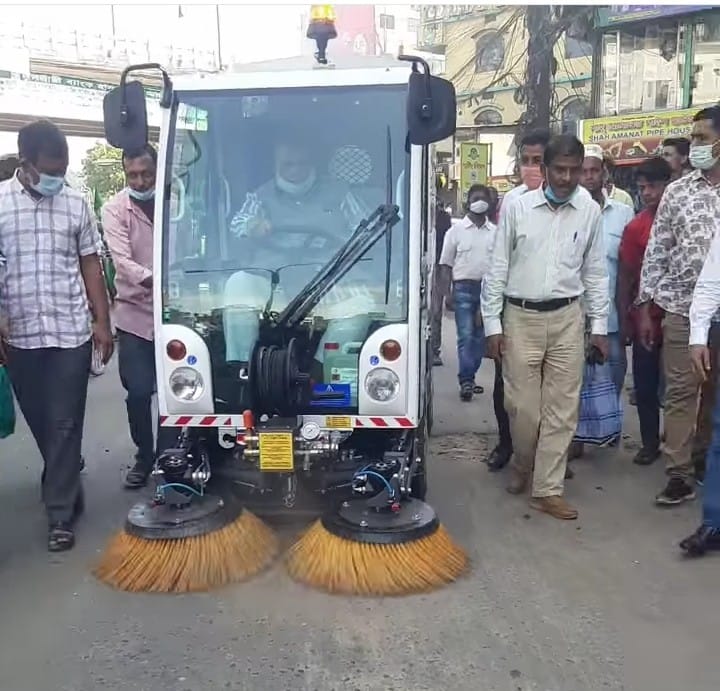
pixel 145 196
pixel 49 185
pixel 552 197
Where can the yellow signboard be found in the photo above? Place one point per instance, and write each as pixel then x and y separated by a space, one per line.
pixel 474 165
pixel 632 137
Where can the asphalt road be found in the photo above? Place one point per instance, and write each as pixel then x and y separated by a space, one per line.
pixel 602 603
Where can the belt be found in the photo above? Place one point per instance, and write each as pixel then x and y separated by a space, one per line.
pixel 542 305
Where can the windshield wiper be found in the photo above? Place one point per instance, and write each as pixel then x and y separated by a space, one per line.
pixel 362 240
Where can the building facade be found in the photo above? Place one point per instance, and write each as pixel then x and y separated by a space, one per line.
pixel 485 49
pixel 655 66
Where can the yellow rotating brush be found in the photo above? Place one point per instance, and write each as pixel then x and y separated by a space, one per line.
pixel 377 548
pixel 191 546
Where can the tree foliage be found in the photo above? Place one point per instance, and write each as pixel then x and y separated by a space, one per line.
pixel 102 170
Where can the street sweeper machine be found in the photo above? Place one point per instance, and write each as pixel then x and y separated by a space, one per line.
pixel 294 246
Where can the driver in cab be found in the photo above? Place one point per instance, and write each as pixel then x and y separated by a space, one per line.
pixel 297 196
pixel 320 208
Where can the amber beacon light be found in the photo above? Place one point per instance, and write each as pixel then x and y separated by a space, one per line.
pixel 321 29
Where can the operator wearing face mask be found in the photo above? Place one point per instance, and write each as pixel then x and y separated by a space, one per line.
pixel 49 239
pixel 298 197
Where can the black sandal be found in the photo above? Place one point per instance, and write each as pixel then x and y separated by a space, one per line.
pixel 61 537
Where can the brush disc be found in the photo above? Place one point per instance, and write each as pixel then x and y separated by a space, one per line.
pixel 203 515
pixel 355 521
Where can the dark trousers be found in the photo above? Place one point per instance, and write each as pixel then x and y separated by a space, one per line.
pixel 711 493
pixel 501 416
pixel 436 313
pixel 470 336
pixel 647 368
pixel 50 385
pixel 136 362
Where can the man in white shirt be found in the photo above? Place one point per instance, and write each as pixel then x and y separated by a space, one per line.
pixel 466 258
pixel 549 252
pixel 705 304
pixel 532 148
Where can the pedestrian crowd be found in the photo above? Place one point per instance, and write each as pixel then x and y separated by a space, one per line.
pixel 553 283
pixel 561 280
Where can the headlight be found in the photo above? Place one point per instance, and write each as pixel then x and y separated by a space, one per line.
pixel 382 385
pixel 186 384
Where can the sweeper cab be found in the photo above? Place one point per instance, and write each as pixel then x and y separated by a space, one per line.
pixel 294 246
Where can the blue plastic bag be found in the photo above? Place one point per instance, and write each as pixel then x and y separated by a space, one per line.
pixel 601 414
pixel 7 405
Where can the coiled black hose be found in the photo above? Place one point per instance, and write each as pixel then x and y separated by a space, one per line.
pixel 279 387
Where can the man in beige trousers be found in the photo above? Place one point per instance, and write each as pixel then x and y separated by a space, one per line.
pixel 548 254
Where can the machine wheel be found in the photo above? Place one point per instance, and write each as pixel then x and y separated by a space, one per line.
pixel 418 484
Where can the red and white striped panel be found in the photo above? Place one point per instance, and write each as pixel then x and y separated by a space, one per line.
pixel 201 421
pixel 383 422
pixel 365 422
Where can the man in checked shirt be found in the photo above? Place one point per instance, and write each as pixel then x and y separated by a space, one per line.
pixel 49 240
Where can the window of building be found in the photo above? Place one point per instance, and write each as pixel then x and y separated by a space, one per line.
pixel 387 21
pixel 413 25
pixel 488 116
pixel 705 77
pixel 641 69
pixel 489 52
pixel 571 112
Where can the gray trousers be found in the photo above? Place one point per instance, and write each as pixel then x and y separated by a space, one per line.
pixel 50 385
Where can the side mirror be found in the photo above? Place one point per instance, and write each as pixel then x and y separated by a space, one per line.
pixel 431 105
pixel 125 109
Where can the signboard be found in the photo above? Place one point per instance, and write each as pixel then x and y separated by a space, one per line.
pixel 474 165
pixel 631 138
pixel 624 14
pixel 502 183
pixel 51 96
pixel 355 25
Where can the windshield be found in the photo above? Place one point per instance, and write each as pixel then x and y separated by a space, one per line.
pixel 266 188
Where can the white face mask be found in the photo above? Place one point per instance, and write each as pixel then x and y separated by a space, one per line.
pixel 296 189
pixel 479 206
pixel 701 156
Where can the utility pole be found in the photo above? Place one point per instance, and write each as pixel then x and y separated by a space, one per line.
pixel 545 25
pixel 541 41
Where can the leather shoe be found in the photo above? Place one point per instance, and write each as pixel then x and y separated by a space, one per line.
pixel 557 507
pixel 518 482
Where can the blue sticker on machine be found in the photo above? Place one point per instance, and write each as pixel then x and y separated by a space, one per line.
pixel 191 360
pixel 331 396
pixel 374 360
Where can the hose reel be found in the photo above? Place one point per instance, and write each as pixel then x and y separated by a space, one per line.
pixel 278 386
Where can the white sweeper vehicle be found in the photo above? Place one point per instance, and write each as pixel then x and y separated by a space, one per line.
pixel 293 257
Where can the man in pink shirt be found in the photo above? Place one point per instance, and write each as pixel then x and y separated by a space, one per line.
pixel 127 221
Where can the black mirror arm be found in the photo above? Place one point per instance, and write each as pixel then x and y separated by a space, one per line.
pixel 165 97
pixel 426 107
